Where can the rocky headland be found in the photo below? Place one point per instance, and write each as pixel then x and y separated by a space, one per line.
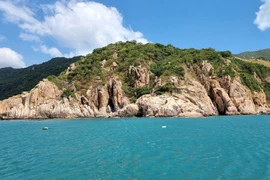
pixel 107 83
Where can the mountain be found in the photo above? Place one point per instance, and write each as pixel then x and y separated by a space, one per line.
pixel 133 79
pixel 15 81
pixel 260 54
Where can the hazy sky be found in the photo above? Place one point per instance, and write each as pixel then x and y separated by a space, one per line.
pixel 32 31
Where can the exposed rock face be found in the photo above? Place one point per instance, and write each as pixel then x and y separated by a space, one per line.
pixel 221 98
pixel 129 110
pixel 257 78
pixel 259 98
pixel 44 101
pixel 71 68
pixel 207 67
pixel 103 100
pixel 141 76
pixel 242 98
pixel 225 83
pixel 228 97
pixel 116 93
pixel 174 80
pixel 192 101
pixel 109 98
pixel 223 102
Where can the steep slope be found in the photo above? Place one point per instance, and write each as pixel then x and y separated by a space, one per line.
pixel 263 54
pixel 15 81
pixel 132 79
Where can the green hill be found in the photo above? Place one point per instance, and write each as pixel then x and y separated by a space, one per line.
pixel 263 54
pixel 162 62
pixel 15 81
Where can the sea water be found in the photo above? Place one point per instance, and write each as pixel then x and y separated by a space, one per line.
pixel 236 147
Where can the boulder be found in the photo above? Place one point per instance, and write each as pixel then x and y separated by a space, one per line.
pixel 242 98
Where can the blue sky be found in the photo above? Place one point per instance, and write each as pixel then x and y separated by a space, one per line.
pixel 32 32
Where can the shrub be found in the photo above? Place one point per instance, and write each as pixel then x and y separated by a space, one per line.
pixel 136 92
pixel 67 93
pixel 169 87
pixel 225 54
pixel 249 81
pixel 266 88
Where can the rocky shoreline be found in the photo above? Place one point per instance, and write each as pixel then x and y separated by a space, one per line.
pixel 227 97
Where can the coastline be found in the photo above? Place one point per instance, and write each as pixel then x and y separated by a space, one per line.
pixel 130 117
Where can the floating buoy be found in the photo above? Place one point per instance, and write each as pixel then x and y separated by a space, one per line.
pixel 163 127
pixel 45 128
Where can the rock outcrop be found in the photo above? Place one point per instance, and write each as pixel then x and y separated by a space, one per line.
pixel 242 98
pixel 140 75
pixel 44 101
pixel 225 96
pixel 71 68
pixel 193 101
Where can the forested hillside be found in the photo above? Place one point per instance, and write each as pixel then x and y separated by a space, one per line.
pixel 134 79
pixel 163 62
pixel 15 81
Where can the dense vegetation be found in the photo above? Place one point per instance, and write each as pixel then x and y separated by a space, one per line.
pixel 15 81
pixel 261 54
pixel 163 61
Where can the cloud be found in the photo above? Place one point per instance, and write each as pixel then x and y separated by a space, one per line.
pixel 79 26
pixel 29 37
pixel 10 58
pixel 54 52
pixel 263 16
pixel 17 14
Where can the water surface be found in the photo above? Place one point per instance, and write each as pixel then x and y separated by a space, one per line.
pixel 236 147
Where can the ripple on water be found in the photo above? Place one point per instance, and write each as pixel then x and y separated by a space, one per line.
pixel 203 148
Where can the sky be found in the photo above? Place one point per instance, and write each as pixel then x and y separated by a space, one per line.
pixel 32 32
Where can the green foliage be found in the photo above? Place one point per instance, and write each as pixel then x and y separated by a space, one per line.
pixel 142 91
pixel 169 87
pixel 225 54
pixel 15 81
pixel 162 60
pixel 167 69
pixel 244 67
pixel 137 92
pixel 67 93
pixel 209 54
pixel 249 81
pixel 227 70
pixel 266 87
pixel 60 83
pixel 261 54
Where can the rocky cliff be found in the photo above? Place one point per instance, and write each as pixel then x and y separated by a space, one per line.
pixel 116 89
pixel 192 100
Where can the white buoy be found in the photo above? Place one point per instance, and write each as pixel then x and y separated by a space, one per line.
pixel 163 127
pixel 45 128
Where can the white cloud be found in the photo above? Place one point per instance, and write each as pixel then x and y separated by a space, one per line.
pixel 54 52
pixel 29 37
pixel 10 58
pixel 77 25
pixel 17 14
pixel 263 16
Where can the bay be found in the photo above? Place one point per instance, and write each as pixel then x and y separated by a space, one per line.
pixel 224 147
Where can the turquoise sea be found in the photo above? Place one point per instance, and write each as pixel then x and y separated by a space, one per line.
pixel 236 147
